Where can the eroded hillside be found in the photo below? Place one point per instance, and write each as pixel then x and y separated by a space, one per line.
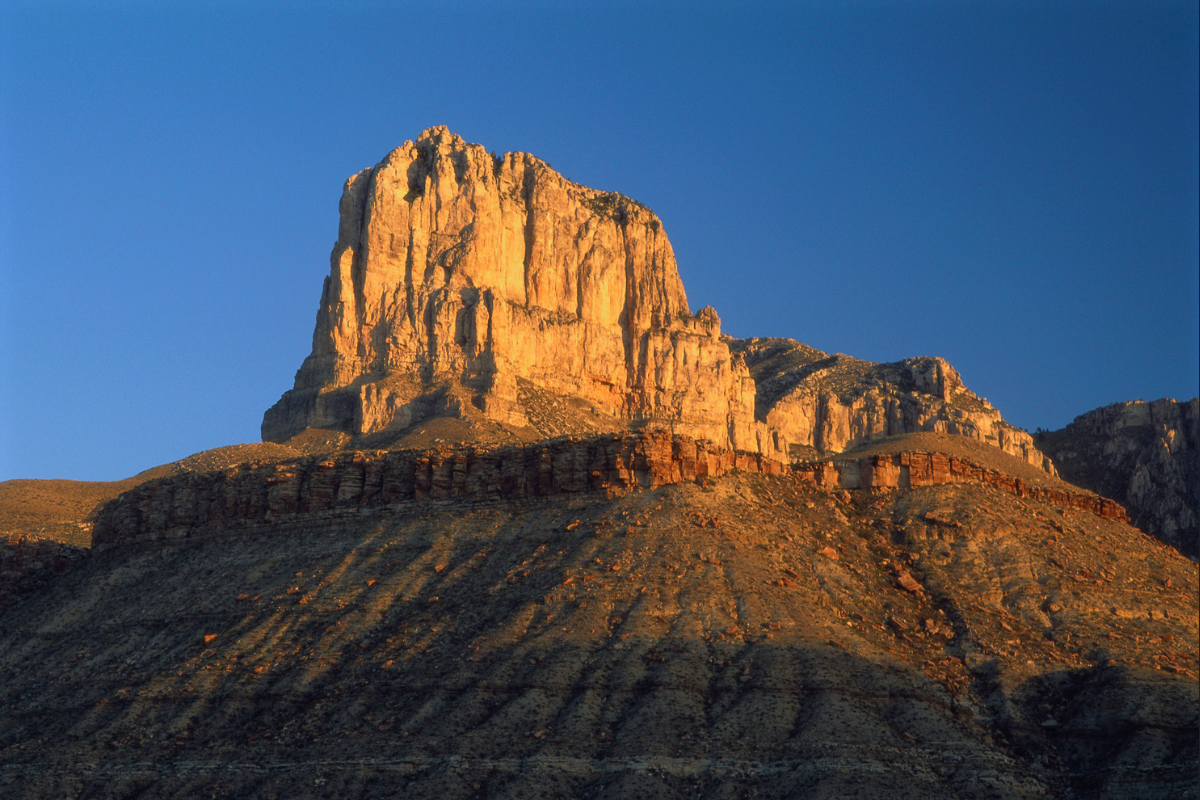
pixel 526 526
pixel 755 634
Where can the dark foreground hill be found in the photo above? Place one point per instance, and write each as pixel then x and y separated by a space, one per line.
pixel 756 635
pixel 63 510
pixel 46 525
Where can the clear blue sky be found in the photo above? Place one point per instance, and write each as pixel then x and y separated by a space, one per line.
pixel 1008 185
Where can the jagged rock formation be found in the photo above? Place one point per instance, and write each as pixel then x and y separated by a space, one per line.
pixel 464 284
pixel 630 615
pixel 810 400
pixel 457 273
pixel 1143 455
pixel 259 493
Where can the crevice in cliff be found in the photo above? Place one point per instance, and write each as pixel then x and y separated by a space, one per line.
pixel 629 337
pixel 527 188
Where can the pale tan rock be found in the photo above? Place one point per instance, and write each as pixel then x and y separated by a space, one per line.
pixel 454 266
pixel 460 279
pixel 809 399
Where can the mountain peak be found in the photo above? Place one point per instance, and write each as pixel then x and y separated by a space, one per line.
pixel 458 273
pixel 494 291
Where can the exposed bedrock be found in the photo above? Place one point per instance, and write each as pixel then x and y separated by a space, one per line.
pixel 457 274
pixel 1144 455
pixel 829 403
pixel 454 264
pixel 185 506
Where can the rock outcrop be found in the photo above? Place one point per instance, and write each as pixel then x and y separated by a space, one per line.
pixel 468 285
pixel 810 400
pixel 194 504
pixel 757 636
pixel 457 273
pixel 1143 455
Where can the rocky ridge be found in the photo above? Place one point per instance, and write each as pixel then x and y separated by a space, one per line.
pixel 257 493
pixel 1144 455
pixel 655 614
pixel 758 635
pixel 811 401
pixel 467 285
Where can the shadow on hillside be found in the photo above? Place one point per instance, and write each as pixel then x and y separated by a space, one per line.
pixel 550 650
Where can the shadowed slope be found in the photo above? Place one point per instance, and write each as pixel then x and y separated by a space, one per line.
pixel 755 635
pixel 1145 456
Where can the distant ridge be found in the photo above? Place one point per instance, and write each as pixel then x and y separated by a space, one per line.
pixel 1145 456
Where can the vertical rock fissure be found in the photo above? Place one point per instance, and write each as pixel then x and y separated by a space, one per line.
pixel 527 179
pixel 627 322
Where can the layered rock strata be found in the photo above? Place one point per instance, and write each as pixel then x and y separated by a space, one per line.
pixel 185 506
pixel 906 470
pixel 1144 455
pixel 456 272
pixel 829 403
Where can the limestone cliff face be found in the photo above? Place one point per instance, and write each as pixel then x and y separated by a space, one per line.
pixel 456 268
pixel 809 399
pixel 463 284
pixel 1144 455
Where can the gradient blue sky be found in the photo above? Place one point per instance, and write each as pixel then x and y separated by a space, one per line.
pixel 1009 185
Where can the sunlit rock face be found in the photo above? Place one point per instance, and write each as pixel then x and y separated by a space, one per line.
pixel 816 402
pixel 457 268
pixel 462 284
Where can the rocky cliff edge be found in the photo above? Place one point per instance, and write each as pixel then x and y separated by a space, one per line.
pixel 463 283
pixel 457 269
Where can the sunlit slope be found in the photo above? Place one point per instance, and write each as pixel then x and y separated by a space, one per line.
pixel 63 509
